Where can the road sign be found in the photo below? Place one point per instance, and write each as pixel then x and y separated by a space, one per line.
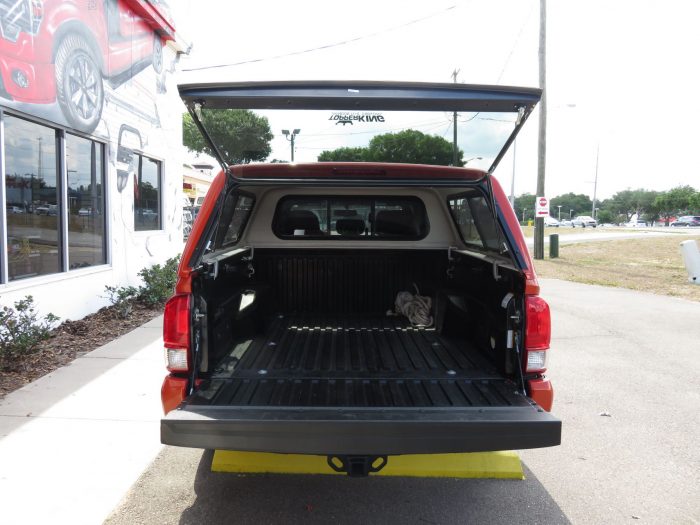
pixel 541 207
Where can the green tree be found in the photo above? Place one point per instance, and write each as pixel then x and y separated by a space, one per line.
pixel 241 135
pixel 408 146
pixel 677 201
pixel 695 203
pixel 580 204
pixel 524 207
pixel 344 155
pixel 629 202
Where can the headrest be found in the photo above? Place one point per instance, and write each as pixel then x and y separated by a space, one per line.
pixel 395 222
pixel 350 227
pixel 304 220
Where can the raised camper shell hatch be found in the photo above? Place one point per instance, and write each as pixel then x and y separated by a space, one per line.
pixel 360 96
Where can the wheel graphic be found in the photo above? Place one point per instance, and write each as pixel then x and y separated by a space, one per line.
pixel 157 54
pixel 79 88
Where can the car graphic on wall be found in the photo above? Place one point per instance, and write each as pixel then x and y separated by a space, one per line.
pixel 65 50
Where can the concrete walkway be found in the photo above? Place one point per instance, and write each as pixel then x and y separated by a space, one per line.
pixel 74 441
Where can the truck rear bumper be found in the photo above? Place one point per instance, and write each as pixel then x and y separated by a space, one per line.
pixel 388 431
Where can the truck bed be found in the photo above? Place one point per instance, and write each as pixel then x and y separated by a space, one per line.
pixel 354 361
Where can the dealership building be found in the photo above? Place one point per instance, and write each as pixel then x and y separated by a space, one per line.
pixel 90 148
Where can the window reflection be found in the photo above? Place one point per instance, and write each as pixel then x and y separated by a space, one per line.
pixel 147 210
pixel 86 217
pixel 31 199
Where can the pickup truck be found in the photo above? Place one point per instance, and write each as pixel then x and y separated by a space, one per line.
pixel 288 331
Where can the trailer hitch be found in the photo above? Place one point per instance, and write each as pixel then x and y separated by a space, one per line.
pixel 357 466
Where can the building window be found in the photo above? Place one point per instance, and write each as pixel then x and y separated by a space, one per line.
pixel 86 205
pixel 32 199
pixel 147 205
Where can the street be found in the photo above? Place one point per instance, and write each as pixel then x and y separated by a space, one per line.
pixel 626 372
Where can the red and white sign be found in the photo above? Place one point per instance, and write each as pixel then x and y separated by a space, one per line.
pixel 541 207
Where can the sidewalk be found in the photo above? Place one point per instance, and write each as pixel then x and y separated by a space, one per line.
pixel 74 441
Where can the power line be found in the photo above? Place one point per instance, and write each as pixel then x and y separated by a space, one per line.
pixel 327 46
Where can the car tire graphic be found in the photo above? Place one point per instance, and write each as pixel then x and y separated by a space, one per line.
pixel 157 54
pixel 79 88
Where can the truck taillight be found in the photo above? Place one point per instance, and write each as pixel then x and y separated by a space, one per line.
pixel 538 332
pixel 176 333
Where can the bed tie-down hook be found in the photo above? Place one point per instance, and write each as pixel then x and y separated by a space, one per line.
pixel 451 260
pixel 249 260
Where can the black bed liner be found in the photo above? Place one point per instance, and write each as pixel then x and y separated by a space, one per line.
pixel 355 361
pixel 357 385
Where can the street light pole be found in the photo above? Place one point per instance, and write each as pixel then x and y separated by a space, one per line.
pixel 559 216
pixel 570 212
pixel 473 158
pixel 287 135
pixel 524 210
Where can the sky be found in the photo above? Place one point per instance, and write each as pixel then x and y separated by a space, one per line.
pixel 622 76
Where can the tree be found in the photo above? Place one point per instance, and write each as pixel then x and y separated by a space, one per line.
pixel 677 201
pixel 408 146
pixel 241 135
pixel 578 202
pixel 524 203
pixel 344 155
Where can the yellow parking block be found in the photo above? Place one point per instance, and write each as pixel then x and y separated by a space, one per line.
pixel 501 465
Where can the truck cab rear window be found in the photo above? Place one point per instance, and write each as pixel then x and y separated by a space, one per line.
pixel 337 218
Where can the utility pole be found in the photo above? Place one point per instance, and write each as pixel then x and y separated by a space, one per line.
pixel 541 142
pixel 595 181
pixel 454 125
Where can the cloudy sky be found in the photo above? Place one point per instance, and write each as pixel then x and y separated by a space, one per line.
pixel 622 76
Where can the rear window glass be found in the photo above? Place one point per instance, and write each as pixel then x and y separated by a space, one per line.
pixel 341 217
pixel 474 220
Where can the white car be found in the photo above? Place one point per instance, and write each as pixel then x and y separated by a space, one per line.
pixel 584 221
pixel 636 224
pixel 551 222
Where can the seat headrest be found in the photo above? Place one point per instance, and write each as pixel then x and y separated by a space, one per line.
pixel 396 222
pixel 301 220
pixel 350 227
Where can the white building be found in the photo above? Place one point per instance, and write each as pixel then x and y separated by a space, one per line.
pixel 90 149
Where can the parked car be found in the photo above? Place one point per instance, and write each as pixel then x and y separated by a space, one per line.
pixel 85 212
pixel 551 222
pixel 687 221
pixel 46 209
pixel 584 221
pixel 636 224
pixel 14 209
pixel 566 222
pixel 278 338
pixel 61 50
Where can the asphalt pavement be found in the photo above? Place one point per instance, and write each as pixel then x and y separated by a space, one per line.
pixel 626 369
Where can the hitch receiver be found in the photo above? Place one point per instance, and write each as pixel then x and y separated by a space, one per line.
pixel 357 466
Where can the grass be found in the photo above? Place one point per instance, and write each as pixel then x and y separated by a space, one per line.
pixel 652 265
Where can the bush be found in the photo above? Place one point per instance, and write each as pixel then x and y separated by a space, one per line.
pixel 122 298
pixel 159 282
pixel 21 329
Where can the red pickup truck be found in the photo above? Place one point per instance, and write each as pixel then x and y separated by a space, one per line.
pixel 358 310
pixel 63 49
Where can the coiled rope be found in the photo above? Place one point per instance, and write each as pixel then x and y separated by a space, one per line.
pixel 415 307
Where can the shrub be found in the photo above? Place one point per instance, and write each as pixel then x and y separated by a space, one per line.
pixel 159 282
pixel 122 298
pixel 22 329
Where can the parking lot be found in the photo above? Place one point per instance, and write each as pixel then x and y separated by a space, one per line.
pixel 626 372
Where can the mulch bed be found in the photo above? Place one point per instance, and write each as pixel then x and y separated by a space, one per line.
pixel 70 340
